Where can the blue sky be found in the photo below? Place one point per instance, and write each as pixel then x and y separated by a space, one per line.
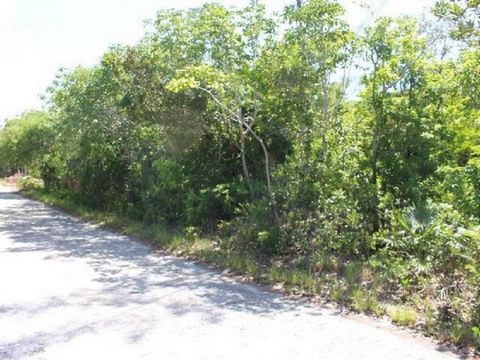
pixel 39 36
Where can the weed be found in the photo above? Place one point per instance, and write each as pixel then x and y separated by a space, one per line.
pixel 275 274
pixel 460 333
pixel 403 315
pixel 366 302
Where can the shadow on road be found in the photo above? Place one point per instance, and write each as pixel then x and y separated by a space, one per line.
pixel 156 279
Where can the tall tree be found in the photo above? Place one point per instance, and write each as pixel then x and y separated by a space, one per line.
pixel 397 55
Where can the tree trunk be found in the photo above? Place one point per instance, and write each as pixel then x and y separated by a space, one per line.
pixel 374 161
pixel 246 171
pixel 236 117
pixel 377 133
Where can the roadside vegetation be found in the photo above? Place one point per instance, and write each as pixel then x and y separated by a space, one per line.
pixel 237 138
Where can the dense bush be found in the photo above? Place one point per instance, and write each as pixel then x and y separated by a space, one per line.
pixel 29 183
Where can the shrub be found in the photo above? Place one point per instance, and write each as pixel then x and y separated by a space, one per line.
pixel 163 199
pixel 367 302
pixel 29 183
pixel 252 230
pixel 403 315
pixel 426 241
pixel 212 204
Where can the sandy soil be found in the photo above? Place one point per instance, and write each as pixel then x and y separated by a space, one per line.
pixel 70 290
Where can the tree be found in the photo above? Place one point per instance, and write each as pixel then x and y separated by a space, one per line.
pixel 399 153
pixel 464 18
pixel 228 77
pixel 303 91
pixel 24 141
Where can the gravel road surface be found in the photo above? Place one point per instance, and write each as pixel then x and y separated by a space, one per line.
pixel 70 290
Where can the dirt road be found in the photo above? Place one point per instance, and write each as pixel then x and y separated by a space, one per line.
pixel 69 290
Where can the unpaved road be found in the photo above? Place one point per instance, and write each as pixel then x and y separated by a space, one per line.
pixel 69 290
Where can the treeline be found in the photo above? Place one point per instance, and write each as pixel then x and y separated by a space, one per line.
pixel 233 123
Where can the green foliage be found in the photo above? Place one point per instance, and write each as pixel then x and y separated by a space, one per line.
pixel 25 141
pixel 464 17
pixel 252 229
pixel 209 205
pixel 403 315
pixel 428 240
pixel 162 201
pixel 366 302
pixel 461 188
pixel 29 183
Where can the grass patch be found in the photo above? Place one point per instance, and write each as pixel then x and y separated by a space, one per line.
pixel 403 315
pixel 366 302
